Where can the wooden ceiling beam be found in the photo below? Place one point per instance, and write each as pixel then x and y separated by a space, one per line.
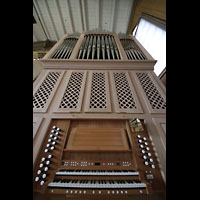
pixel 70 15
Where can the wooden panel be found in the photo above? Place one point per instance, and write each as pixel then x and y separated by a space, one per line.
pixel 160 124
pixel 36 124
pixel 99 64
pixel 71 96
pixel 125 98
pixel 98 96
pixel 98 139
pixel 46 90
pixel 163 125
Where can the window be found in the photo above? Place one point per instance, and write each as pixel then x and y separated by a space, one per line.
pixel 151 33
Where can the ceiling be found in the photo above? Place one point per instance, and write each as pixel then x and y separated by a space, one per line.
pixel 54 18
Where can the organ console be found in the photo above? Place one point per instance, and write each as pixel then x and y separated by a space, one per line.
pixel 97 162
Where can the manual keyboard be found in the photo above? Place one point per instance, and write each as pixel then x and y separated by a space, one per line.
pixel 97 172
pixel 69 183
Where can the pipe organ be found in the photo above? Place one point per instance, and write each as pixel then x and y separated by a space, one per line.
pixel 98 121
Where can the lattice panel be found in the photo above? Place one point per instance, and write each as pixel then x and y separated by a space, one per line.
pixel 124 93
pixel 99 100
pixel 153 95
pixel 42 95
pixel 72 96
pixel 125 97
pixel 98 93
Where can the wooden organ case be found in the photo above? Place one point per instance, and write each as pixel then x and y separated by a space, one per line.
pixel 98 121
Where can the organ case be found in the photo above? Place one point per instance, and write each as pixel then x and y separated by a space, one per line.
pixel 84 145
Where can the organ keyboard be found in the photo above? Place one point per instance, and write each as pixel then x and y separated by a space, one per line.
pixel 98 172
pixel 96 162
pixel 73 183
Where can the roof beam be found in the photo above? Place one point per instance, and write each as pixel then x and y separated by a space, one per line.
pixel 113 14
pixel 51 19
pixel 84 15
pixel 131 15
pixel 60 15
pixel 98 14
pixel 70 15
pixel 81 11
pixel 41 19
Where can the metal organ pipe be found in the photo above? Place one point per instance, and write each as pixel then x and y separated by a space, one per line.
pixel 98 46
pixel 131 50
pixel 65 49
